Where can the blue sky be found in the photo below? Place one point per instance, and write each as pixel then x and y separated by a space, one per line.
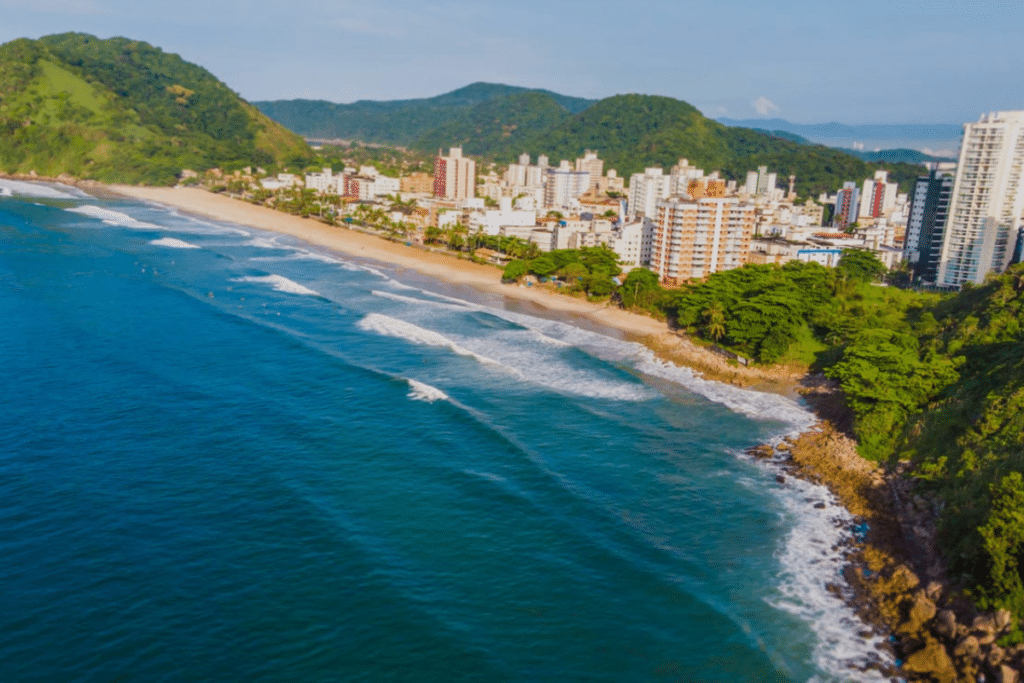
pixel 894 61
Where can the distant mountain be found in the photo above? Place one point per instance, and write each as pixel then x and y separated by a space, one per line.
pixel 908 156
pixel 632 132
pixel 920 136
pixel 124 111
pixel 396 122
pixel 497 128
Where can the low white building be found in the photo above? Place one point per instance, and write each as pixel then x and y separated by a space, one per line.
pixel 633 242
pixel 491 221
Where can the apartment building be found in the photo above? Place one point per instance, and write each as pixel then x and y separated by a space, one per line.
pixel 987 202
pixel 454 175
pixel 926 223
pixel 695 238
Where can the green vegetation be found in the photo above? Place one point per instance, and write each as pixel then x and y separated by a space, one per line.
pixel 631 132
pixel 396 122
pixel 123 111
pixel 936 380
pixel 589 269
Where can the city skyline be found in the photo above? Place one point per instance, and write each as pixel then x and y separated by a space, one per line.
pixel 912 61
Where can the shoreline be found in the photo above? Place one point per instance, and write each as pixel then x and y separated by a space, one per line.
pixel 821 453
pixel 654 334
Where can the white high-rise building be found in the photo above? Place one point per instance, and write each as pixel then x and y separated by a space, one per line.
pixel 564 185
pixel 878 198
pixel 987 202
pixel 646 190
pixel 454 175
pixel 592 165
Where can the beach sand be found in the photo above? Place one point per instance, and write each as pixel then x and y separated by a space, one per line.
pixel 653 333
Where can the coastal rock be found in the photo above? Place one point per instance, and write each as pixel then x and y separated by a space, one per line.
pixel 934 591
pixel 984 622
pixel 1003 620
pixel 1006 675
pixel 995 656
pixel 921 612
pixel 781 479
pixel 968 647
pixel 903 580
pixel 931 661
pixel 962 631
pixel 945 624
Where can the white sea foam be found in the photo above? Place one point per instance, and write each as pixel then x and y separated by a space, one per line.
pixel 300 255
pixel 279 283
pixel 265 243
pixel 113 217
pixel 418 391
pixel 416 301
pixel 754 404
pixel 393 327
pixel 516 351
pixel 173 243
pixel 809 564
pixel 9 188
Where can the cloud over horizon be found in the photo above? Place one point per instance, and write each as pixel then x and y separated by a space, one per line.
pixel 765 107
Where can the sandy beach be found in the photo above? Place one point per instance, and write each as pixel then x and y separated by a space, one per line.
pixel 653 333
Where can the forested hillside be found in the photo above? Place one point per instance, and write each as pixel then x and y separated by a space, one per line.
pixel 125 111
pixel 400 122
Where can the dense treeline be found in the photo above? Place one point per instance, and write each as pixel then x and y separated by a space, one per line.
pixel 124 111
pixel 397 122
pixel 936 380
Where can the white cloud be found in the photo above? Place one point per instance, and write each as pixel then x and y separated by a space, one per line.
pixel 765 107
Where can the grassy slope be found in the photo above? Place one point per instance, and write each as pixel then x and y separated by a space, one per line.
pixel 121 110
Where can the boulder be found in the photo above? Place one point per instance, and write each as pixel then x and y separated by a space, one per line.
pixel 932 661
pixel 945 624
pixel 921 612
pixel 984 622
pixel 902 580
pixel 1003 620
pixel 995 656
pixel 1005 674
pixel 967 647
pixel 934 591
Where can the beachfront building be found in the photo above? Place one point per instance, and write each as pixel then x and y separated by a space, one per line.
pixel 491 221
pixel 454 175
pixel 987 201
pixel 633 243
pixel 926 222
pixel 695 238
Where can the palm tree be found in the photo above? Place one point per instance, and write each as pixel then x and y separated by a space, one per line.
pixel 714 321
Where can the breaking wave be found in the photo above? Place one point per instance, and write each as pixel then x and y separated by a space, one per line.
pixel 280 283
pixel 418 391
pixel 172 243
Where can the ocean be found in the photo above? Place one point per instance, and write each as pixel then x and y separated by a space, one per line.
pixel 226 455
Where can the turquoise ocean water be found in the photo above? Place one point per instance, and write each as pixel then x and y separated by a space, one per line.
pixel 229 456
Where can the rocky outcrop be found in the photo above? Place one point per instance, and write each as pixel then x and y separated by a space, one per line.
pixel 896 572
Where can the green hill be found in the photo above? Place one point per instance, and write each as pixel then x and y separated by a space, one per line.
pixel 120 110
pixel 498 128
pixel 633 132
pixel 396 122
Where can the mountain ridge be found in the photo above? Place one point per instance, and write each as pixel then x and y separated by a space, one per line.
pixel 122 110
